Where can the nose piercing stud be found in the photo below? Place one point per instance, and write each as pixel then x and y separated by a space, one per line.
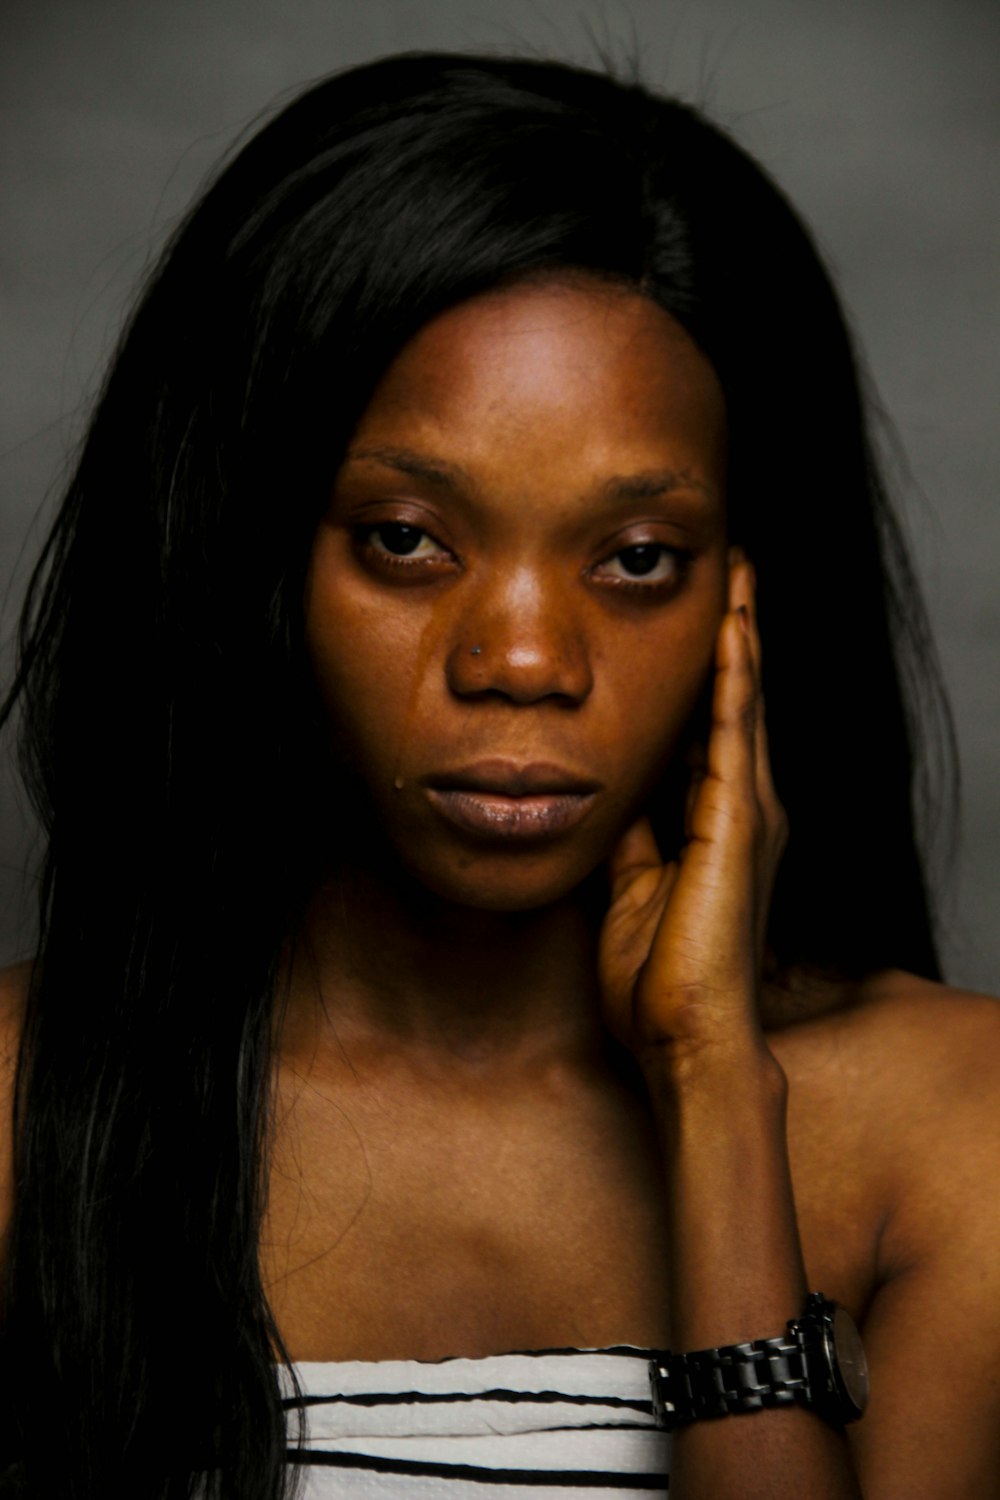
pixel 476 650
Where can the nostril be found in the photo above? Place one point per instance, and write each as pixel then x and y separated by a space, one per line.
pixel 521 657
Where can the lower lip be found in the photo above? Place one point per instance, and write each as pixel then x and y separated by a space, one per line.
pixel 494 816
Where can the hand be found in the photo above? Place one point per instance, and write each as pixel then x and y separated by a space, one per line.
pixel 682 944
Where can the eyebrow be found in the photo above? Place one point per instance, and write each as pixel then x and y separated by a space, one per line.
pixel 434 470
pixel 649 485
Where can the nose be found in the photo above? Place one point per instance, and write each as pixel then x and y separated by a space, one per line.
pixel 519 637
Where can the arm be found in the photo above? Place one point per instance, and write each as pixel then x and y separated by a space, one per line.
pixel 679 969
pixel 932 1431
pixel 736 1274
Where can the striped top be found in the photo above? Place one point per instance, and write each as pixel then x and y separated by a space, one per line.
pixel 555 1424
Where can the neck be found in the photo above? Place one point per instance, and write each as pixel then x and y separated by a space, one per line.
pixel 394 973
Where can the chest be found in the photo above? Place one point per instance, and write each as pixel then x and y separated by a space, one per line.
pixel 408 1227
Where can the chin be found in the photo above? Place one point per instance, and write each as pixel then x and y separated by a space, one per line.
pixel 487 885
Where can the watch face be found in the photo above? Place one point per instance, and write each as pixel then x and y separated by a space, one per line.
pixel 851 1363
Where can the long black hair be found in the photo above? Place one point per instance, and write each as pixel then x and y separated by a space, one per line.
pixel 167 735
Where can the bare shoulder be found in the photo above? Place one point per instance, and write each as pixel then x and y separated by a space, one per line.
pixel 894 1116
pixel 896 1034
pixel 907 1073
pixel 939 1052
pixel 938 1047
pixel 906 1005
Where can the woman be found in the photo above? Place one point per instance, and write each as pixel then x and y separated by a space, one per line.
pixel 418 980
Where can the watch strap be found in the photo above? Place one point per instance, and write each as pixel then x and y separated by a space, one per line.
pixel 730 1379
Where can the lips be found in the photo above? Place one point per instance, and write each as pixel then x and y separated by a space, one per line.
pixel 505 801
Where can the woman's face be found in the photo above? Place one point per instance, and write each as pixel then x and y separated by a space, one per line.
pixel 513 598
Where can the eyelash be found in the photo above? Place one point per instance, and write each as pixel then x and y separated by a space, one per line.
pixel 365 534
pixel 680 558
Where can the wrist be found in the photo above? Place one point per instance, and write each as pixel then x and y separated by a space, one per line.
pixel 736 1262
pixel 737 1066
pixel 818 1362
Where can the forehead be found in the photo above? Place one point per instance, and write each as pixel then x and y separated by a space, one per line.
pixel 558 372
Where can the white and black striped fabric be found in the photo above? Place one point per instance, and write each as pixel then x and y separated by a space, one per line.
pixel 560 1424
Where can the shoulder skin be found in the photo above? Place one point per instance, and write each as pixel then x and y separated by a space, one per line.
pixel 899 1087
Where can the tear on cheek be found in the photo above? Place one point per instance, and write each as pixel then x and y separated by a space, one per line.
pixel 430 638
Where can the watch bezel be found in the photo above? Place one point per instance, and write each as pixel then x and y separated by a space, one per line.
pixel 840 1402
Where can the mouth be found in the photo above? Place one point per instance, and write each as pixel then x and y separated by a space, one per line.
pixel 505 801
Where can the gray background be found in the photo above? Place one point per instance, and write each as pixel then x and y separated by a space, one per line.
pixel 880 117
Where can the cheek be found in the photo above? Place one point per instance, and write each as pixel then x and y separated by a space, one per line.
pixel 352 666
pixel 664 679
pixel 350 650
pixel 350 708
pixel 371 670
pixel 662 705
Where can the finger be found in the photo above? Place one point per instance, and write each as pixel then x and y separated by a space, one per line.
pixel 773 820
pixel 766 794
pixel 728 796
pixel 743 597
pixel 697 768
pixel 626 942
pixel 743 588
pixel 634 856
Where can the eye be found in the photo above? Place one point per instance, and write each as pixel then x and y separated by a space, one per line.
pixel 644 565
pixel 400 540
pixel 399 544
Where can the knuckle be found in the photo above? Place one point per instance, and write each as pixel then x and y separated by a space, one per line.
pixel 744 822
pixel 778 820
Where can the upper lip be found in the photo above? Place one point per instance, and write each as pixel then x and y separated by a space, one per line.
pixel 507 778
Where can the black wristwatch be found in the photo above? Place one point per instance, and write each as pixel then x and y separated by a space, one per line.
pixel 818 1363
